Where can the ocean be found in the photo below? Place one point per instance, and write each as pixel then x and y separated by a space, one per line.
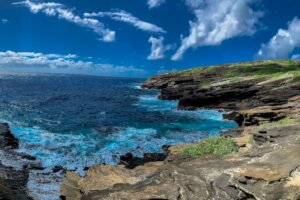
pixel 76 121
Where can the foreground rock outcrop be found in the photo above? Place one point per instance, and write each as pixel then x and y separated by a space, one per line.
pixel 22 176
pixel 262 97
pixel 13 177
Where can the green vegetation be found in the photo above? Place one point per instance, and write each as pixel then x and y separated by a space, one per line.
pixel 251 140
pixel 215 146
pixel 205 84
pixel 268 70
pixel 231 74
pixel 282 122
pixel 296 79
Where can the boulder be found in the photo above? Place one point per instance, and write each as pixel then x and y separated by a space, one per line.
pixel 7 139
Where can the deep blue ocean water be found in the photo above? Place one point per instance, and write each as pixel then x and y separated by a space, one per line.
pixel 76 121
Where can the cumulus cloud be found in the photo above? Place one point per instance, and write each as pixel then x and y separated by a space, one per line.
pixel 155 3
pixel 60 11
pixel 57 61
pixel 158 48
pixel 283 43
pixel 126 17
pixel 4 21
pixel 217 21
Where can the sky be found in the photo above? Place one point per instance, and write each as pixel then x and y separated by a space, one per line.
pixel 141 38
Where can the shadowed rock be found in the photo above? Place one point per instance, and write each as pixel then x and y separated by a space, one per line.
pixel 7 139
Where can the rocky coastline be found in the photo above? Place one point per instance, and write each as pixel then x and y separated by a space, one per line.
pixel 22 174
pixel 262 97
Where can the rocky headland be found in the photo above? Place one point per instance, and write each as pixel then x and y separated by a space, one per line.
pixel 262 97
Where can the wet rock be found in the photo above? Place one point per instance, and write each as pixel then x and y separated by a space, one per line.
pixel 27 157
pixel 166 148
pixel 57 169
pixel 13 184
pixel 35 166
pixel 7 139
pixel 131 162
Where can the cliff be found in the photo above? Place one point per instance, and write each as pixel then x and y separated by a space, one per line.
pixel 262 97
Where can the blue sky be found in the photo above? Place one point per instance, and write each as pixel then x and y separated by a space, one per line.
pixel 139 38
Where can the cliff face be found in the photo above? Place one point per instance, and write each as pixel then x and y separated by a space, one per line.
pixel 236 86
pixel 263 97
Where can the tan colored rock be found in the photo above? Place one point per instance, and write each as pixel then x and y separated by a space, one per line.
pixel 105 176
pixel 177 149
pixel 70 188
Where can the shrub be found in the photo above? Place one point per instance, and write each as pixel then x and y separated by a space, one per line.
pixel 216 146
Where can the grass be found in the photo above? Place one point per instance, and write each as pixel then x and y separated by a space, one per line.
pixel 214 146
pixel 266 67
pixel 231 73
pixel 282 122
pixel 205 84
pixel 296 79
pixel 263 72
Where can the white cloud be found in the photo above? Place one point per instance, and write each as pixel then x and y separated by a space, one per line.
pixel 4 21
pixel 60 11
pixel 158 48
pixel 56 61
pixel 283 43
pixel 217 21
pixel 126 17
pixel 155 3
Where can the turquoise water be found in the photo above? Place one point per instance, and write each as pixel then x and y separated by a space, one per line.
pixel 77 121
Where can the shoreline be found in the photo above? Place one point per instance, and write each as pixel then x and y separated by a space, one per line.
pixel 268 137
pixel 36 176
pixel 265 167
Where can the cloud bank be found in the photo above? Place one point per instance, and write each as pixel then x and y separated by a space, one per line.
pixel 158 48
pixel 126 17
pixel 56 61
pixel 217 21
pixel 283 43
pixel 60 11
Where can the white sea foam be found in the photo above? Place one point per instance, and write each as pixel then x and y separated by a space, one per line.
pixel 151 102
pixel 75 151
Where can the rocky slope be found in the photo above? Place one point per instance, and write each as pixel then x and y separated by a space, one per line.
pixel 262 97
